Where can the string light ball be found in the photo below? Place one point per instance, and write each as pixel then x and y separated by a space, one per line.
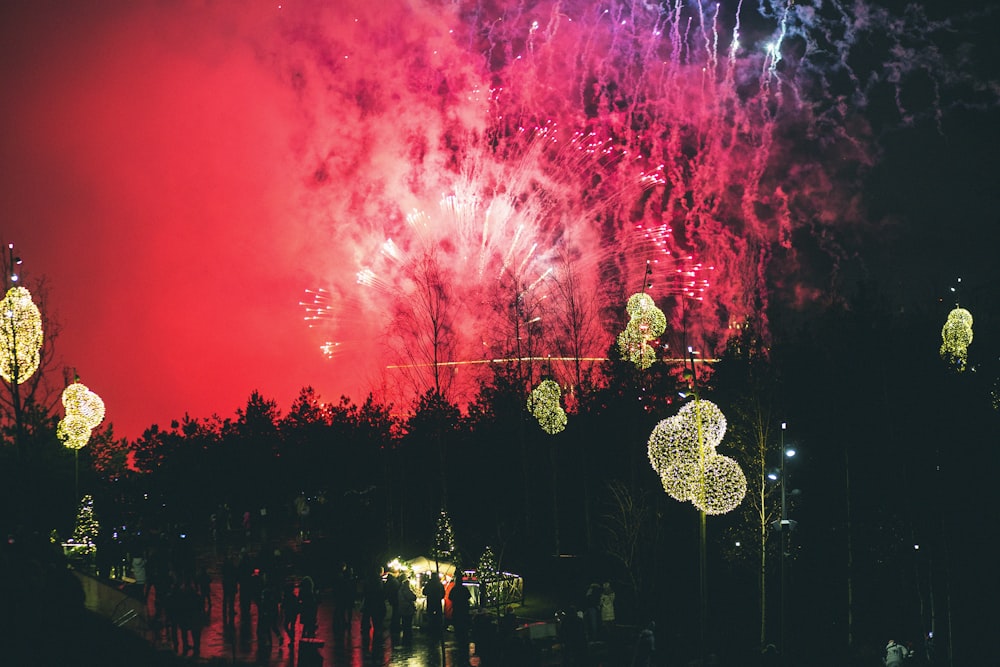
pixel 21 328
pixel 543 403
pixel 651 322
pixel 639 302
pixel 713 421
pixel 681 450
pixel 73 431
pixel 554 421
pixel 956 336
pixel 631 341
pixel 82 402
pixel 723 486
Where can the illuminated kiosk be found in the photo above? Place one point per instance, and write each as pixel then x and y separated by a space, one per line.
pixel 507 590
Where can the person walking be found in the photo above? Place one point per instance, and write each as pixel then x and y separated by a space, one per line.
pixel 139 574
pixel 895 654
pixel 308 606
pixel 372 611
pixel 230 582
pixel 344 590
pixel 267 614
pixel 289 613
pixel 204 583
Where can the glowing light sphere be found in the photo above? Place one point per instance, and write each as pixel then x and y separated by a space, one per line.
pixel 956 336
pixel 713 421
pixel 543 403
pixel 554 421
pixel 83 403
pixel 681 449
pixel 724 488
pixel 631 341
pixel 651 322
pixel 21 331
pixel 638 303
pixel 73 431
pixel 645 358
pixel 646 322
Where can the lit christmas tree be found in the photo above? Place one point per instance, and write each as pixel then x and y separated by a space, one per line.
pixel 85 532
pixel 444 538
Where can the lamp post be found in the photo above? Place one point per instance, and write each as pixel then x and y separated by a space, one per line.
pixel 785 526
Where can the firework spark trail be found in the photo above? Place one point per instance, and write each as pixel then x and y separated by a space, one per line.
pixel 691 135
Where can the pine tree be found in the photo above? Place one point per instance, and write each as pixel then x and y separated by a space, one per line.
pixel 444 538
pixel 85 531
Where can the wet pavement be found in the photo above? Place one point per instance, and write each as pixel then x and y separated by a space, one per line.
pixel 237 642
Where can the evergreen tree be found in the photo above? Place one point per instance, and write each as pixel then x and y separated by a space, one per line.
pixel 85 531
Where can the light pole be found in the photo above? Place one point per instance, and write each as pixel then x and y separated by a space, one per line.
pixel 785 526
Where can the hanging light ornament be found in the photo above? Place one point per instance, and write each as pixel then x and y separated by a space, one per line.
pixel 639 302
pixel 84 412
pixel 681 449
pixel 724 488
pixel 543 403
pixel 73 431
pixel 646 322
pixel 956 336
pixel 21 330
pixel 82 402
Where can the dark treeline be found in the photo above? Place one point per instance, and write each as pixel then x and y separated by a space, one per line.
pixel 891 488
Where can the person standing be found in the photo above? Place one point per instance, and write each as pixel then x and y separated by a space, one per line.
pixel 344 593
pixel 434 593
pixel 391 598
pixel 459 597
pixel 607 607
pixel 895 654
pixel 645 647
pixel 406 607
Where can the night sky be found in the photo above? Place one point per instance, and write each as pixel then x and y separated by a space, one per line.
pixel 180 173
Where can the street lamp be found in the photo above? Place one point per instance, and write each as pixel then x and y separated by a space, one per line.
pixel 785 526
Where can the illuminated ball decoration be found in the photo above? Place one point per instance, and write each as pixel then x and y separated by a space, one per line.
pixel 21 329
pixel 646 322
pixel 651 323
pixel 543 403
pixel 956 336
pixel 681 449
pixel 81 402
pixel 724 488
pixel 639 302
pixel 84 412
pixel 713 422
pixel 631 341
pixel 73 431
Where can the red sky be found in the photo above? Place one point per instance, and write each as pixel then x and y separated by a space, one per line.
pixel 181 172
pixel 147 173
